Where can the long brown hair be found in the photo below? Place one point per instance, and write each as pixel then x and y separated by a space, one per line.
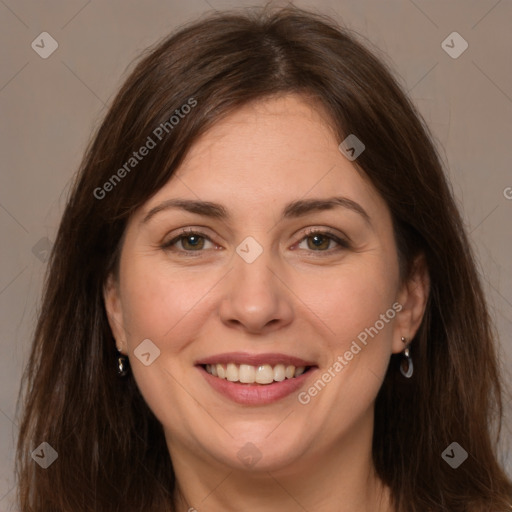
pixel 111 449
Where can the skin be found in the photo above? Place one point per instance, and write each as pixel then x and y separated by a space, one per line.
pixel 294 298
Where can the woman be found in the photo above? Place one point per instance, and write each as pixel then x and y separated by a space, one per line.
pixel 262 244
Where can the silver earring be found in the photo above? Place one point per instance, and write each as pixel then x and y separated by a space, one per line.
pixel 406 366
pixel 122 365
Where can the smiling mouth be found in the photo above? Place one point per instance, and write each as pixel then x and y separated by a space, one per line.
pixel 263 374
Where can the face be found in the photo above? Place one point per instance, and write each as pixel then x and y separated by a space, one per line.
pixel 283 278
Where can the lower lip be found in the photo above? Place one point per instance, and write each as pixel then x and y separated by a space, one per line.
pixel 255 394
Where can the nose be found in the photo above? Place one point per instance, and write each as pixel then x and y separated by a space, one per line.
pixel 256 298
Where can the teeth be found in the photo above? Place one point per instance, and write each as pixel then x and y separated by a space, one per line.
pixel 264 374
pixel 279 372
pixel 289 372
pixel 300 370
pixel 232 372
pixel 248 374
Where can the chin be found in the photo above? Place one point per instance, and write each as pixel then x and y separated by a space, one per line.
pixel 259 451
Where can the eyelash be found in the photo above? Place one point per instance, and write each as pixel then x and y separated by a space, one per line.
pixel 344 244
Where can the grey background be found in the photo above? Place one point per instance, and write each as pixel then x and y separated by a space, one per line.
pixel 49 108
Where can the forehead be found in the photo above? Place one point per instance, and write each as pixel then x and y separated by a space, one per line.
pixel 271 151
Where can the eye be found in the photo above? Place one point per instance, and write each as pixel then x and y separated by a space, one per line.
pixel 321 240
pixel 190 240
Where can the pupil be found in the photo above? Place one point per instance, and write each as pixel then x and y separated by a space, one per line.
pixel 193 241
pixel 318 240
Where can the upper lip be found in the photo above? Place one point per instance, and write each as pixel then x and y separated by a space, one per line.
pixel 254 359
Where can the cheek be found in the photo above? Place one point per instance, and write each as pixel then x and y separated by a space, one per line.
pixel 353 298
pixel 357 306
pixel 162 304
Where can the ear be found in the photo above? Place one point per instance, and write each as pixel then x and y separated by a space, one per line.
pixel 114 312
pixel 413 297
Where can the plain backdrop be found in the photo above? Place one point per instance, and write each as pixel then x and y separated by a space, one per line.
pixel 49 108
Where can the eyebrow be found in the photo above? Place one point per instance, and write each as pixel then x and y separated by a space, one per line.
pixel 292 210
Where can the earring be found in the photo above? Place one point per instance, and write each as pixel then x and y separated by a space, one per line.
pixel 406 366
pixel 122 365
